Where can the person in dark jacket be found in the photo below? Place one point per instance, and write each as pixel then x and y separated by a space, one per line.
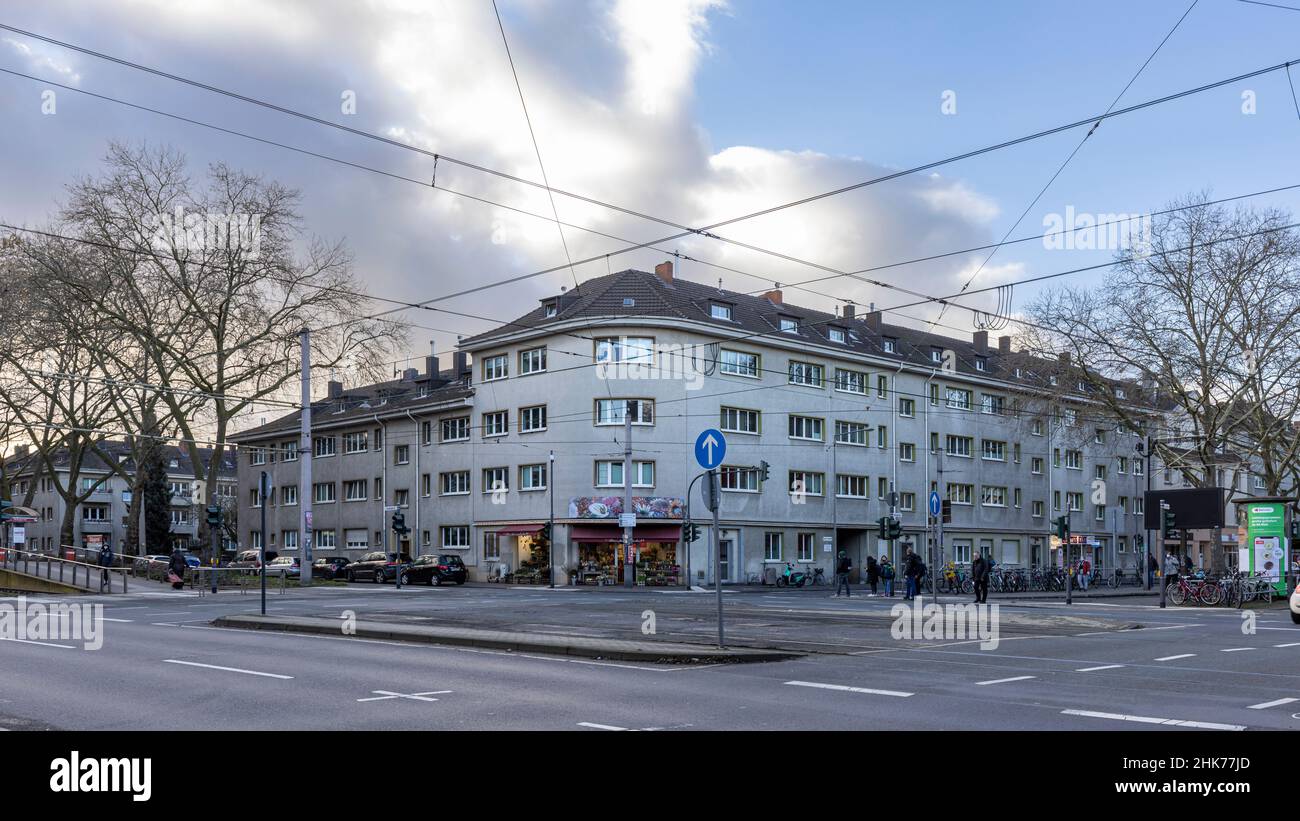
pixel 105 561
pixel 887 574
pixel 842 568
pixel 177 566
pixel 979 571
pixel 911 574
pixel 1152 567
pixel 873 573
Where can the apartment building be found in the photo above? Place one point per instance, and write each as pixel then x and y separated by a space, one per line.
pixel 102 515
pixel 844 408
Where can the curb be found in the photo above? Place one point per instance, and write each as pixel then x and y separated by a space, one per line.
pixel 616 649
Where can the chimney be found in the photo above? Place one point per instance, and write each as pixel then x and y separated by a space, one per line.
pixel 981 341
pixel 334 389
pixel 1064 357
pixel 872 321
pixel 409 374
pixel 1004 344
pixel 848 311
pixel 773 296
pixel 431 362
pixel 460 364
pixel 664 271
pixel 21 450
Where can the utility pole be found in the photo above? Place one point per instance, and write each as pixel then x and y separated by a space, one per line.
pixel 715 494
pixel 1164 580
pixel 261 495
pixel 629 524
pixel 550 528
pixel 304 460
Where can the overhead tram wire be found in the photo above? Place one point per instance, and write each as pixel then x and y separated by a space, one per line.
pixel 702 231
pixel 1072 154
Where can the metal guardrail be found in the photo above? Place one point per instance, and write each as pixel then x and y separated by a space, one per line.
pixel 85 575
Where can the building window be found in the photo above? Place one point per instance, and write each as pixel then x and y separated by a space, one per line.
pixel 1074 460
pixel 994 497
pixel 906 452
pixel 1036 465
pixel 789 325
pixel 960 494
pixel 847 381
pixel 627 349
pixel 99 513
pixel 289 495
pixel 739 420
pixel 532 477
pixel 289 452
pixel 356 539
pixel 1036 429
pixel 532 360
pixel 426 433
pixel 1036 509
pixel 837 335
pixel 882 386
pixel 491 547
pixel 719 311
pixel 959 446
pixel 323 446
pixel 356 442
pixel 323 493
pixel 354 490
pixel 496 480
pixel 454 483
pixel 1139 506
pixel 1075 501
pixel 401 454
pixel 807 374
pixel 289 538
pixel 257 456
pixel 326 540
pixel 992 404
pixel 772 546
pixel 496 423
pixel 744 480
pixel 851 487
pixel 850 433
pixel 907 408
pixel 402 497
pixel 426 485
pixel 807 483
pixel 907 502
pixel 455 537
pixel 609 473
pixel 890 345
pixel 806 427
pixel 496 367
pixel 532 419
pixel 739 363
pixel 807 541
pixel 995 451
pixel 981 364
pixel 456 429
pixel 958 398
pixel 611 411
pixel 882 436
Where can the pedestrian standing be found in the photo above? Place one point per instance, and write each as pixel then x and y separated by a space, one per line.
pixel 873 573
pixel 1171 568
pixel 176 568
pixel 887 574
pixel 1152 567
pixel 979 570
pixel 911 574
pixel 105 561
pixel 842 568
pixel 1085 570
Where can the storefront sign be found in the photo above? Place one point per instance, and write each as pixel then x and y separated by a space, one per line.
pixel 611 507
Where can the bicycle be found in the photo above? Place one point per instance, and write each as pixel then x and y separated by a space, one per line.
pixel 818 578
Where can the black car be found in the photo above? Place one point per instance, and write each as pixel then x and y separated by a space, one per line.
pixel 376 567
pixel 335 567
pixel 433 569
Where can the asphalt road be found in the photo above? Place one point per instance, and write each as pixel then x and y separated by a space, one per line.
pixel 1094 666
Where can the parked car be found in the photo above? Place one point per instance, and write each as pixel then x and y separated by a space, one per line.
pixel 143 563
pixel 248 559
pixel 1294 604
pixel 332 568
pixel 192 560
pixel 436 569
pixel 377 567
pixel 284 566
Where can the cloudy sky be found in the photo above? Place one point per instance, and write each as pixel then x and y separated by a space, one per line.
pixel 694 111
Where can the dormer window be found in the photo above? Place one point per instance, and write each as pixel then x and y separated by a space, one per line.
pixel 550 308
pixel 891 345
pixel 980 364
pixel 789 325
pixel 1119 393
pixel 1019 373
pixel 717 310
pixel 837 335
pixel 936 355
pixel 1079 385
pixel 1051 380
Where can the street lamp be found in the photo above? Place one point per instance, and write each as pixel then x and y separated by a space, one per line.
pixel 550 528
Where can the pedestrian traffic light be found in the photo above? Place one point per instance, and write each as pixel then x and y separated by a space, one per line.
pixel 764 470
pixel 214 516
pixel 1169 524
pixel 399 524
pixel 895 529
pixel 1063 528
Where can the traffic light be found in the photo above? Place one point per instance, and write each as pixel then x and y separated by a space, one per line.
pixel 399 524
pixel 1169 524
pixel 546 532
pixel 882 527
pixel 1063 528
pixel 692 533
pixel 895 529
pixel 764 470
pixel 214 516
pixel 1295 529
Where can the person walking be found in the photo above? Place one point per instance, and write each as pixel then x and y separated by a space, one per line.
pixel 873 573
pixel 911 574
pixel 979 571
pixel 1085 571
pixel 842 568
pixel 1171 568
pixel 105 561
pixel 176 568
pixel 887 574
pixel 1152 567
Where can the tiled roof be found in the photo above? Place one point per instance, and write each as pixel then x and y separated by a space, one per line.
pixel 118 449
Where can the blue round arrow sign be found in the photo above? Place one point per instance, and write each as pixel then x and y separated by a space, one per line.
pixel 935 507
pixel 710 448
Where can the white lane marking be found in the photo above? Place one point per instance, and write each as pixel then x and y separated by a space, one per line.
pixel 1268 704
pixel 1003 680
pixel 106 618
pixel 42 643
pixel 1173 722
pixel 1171 627
pixel 847 689
pixel 384 695
pixel 1292 644
pixel 227 669
pixel 599 726
pixel 1234 649
pixel 1094 669
pixel 1174 658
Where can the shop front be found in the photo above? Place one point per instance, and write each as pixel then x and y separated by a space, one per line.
pixel 651 558
pixel 528 559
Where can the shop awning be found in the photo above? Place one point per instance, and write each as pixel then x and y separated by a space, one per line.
pixel 612 533
pixel 519 530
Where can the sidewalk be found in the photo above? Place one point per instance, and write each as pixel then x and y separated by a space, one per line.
pixel 594 648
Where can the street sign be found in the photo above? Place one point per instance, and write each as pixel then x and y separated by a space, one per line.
pixel 826 544
pixel 934 503
pixel 392 508
pixel 710 448
pixel 626 520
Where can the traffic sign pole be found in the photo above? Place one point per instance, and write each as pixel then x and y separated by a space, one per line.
pixel 710 450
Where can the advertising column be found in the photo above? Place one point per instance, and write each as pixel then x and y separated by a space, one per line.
pixel 1266 548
